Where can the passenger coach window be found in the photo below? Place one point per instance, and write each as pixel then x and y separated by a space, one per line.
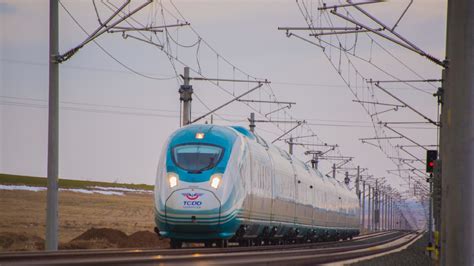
pixel 197 157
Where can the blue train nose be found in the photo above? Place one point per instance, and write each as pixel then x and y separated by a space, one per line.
pixel 197 206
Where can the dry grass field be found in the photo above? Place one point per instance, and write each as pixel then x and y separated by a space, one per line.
pixel 22 219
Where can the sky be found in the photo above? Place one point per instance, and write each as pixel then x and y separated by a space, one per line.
pixel 113 122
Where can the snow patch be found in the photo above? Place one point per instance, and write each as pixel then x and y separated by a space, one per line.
pixel 78 190
pixel 123 189
pixel 86 191
pixel 28 188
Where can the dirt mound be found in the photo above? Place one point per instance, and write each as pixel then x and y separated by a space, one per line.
pixel 145 239
pixel 99 238
pixel 88 244
pixel 94 238
pixel 112 236
pixel 20 242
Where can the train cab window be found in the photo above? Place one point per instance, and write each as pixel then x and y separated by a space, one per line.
pixel 196 158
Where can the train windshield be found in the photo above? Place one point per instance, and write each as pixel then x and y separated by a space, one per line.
pixel 196 158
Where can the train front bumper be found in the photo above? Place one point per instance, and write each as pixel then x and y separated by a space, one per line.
pixel 193 215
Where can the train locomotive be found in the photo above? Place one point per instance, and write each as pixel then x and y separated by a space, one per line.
pixel 217 184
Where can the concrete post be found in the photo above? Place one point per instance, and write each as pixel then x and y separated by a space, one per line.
pixel 393 212
pixel 316 161
pixel 185 96
pixel 380 205
pixel 457 137
pixel 383 205
pixel 373 208
pixel 395 218
pixel 290 146
pixel 430 213
pixel 381 224
pixel 376 206
pixel 358 192
pixel 363 206
pixel 252 122
pixel 53 131
pixel 386 212
pixel 369 211
pixel 389 206
pixel 389 212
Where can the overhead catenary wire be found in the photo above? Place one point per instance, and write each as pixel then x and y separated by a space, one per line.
pixel 108 53
pixel 328 55
pixel 218 55
pixel 173 58
pixel 348 84
pixel 329 58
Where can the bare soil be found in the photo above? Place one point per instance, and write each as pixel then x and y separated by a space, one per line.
pixel 85 220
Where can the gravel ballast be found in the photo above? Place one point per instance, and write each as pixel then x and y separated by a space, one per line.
pixel 413 255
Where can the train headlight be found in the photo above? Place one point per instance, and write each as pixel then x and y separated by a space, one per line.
pixel 199 135
pixel 172 179
pixel 216 180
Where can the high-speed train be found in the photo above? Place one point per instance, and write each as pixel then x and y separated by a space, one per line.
pixel 217 184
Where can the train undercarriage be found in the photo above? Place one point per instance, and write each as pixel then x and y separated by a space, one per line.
pixel 271 236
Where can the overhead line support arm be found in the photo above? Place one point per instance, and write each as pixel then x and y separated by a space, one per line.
pixel 299 123
pixel 408 106
pixel 229 80
pixel 375 31
pixel 386 104
pixel 227 103
pixel 102 29
pixel 409 139
pixel 349 4
pixel 263 101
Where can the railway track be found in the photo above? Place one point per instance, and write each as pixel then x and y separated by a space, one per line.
pixel 283 254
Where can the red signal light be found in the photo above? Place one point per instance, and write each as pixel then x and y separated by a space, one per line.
pixel 431 156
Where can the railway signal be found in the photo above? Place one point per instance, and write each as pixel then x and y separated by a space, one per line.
pixel 431 156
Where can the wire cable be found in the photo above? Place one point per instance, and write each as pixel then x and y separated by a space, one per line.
pixel 108 53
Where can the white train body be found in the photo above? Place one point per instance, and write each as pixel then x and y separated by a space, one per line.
pixel 263 192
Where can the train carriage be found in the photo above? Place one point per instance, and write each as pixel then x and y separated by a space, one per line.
pixel 217 184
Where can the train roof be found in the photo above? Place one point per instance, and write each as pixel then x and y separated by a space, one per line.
pixel 255 137
pixel 226 135
pixel 219 135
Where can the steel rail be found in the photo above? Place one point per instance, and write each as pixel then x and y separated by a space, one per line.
pixel 36 254
pixel 188 255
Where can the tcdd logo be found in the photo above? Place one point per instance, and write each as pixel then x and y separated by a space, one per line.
pixel 192 196
pixel 192 201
